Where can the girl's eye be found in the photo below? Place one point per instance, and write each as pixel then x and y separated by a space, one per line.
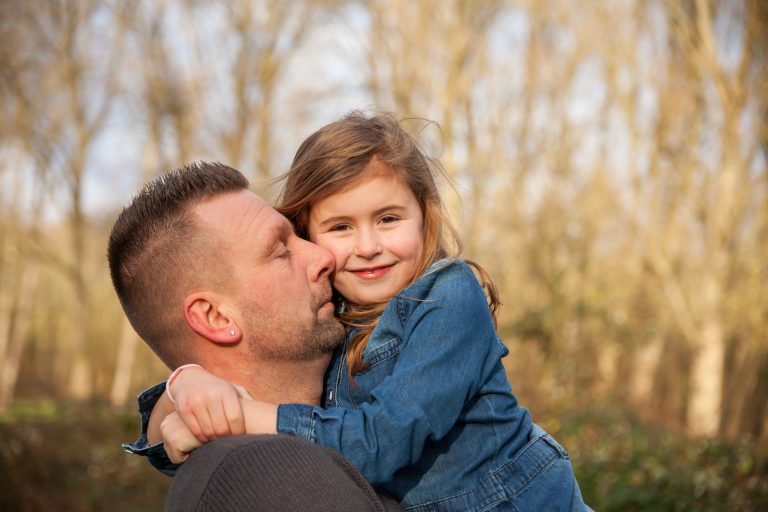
pixel 340 227
pixel 388 218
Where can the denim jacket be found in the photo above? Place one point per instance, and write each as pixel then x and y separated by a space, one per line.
pixel 432 420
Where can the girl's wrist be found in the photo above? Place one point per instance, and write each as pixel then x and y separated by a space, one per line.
pixel 260 417
pixel 173 377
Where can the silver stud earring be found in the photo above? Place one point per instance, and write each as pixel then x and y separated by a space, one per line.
pixel 232 332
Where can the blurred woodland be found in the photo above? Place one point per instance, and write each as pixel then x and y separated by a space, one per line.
pixel 609 162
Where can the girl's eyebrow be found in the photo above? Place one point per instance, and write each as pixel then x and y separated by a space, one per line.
pixel 333 220
pixel 345 218
pixel 389 208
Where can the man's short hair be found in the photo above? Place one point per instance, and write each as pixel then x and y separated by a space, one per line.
pixel 158 253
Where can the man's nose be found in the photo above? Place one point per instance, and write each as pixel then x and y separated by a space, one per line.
pixel 321 263
pixel 367 244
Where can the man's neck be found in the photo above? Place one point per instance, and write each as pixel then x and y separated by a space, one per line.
pixel 299 383
pixel 279 382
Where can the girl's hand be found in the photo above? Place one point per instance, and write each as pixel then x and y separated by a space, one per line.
pixel 209 406
pixel 178 439
pixel 261 418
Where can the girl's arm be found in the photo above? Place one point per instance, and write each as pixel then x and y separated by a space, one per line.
pixel 450 349
pixel 163 407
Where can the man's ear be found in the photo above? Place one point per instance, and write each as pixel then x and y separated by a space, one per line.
pixel 211 318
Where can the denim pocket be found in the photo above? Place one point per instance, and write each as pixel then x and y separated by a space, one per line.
pixel 381 362
pixel 373 356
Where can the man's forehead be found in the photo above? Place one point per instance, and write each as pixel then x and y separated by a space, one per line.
pixel 242 214
pixel 230 204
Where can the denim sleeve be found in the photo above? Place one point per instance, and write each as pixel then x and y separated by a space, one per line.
pixel 296 420
pixel 156 453
pixel 450 348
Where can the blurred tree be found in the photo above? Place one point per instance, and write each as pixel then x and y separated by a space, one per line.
pixel 264 36
pixel 424 58
pixel 19 272
pixel 700 196
pixel 65 86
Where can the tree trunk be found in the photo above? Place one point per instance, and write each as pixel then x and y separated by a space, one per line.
pixel 126 357
pixel 18 326
pixel 646 365
pixel 703 417
pixel 753 413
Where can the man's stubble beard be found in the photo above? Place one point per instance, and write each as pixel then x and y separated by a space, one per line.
pixel 271 340
pixel 327 335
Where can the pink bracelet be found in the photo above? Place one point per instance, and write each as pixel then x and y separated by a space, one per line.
pixel 173 376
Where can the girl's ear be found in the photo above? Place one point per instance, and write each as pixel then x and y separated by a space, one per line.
pixel 210 317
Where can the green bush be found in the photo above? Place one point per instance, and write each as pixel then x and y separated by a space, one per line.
pixel 625 465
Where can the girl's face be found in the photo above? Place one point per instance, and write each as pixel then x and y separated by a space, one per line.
pixel 374 230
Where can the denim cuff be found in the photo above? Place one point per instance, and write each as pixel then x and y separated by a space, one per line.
pixel 156 453
pixel 296 420
pixel 147 400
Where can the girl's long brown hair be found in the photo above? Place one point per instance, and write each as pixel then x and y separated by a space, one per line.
pixel 331 159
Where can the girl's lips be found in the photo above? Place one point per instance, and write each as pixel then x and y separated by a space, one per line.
pixel 373 272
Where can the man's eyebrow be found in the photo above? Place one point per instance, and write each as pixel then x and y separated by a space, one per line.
pixel 277 233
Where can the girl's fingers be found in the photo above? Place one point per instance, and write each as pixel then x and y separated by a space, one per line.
pixel 178 440
pixel 198 423
pixel 233 412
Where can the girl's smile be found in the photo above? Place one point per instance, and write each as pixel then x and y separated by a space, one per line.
pixel 372 272
pixel 374 230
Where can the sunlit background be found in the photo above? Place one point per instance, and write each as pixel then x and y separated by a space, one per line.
pixel 609 168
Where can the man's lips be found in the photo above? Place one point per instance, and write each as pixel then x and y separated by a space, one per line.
pixel 371 272
pixel 327 298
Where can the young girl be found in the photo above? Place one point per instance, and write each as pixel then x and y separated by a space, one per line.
pixel 417 397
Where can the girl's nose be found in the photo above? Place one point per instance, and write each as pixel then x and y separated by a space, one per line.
pixel 367 245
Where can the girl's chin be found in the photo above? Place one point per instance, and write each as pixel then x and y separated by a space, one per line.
pixel 366 299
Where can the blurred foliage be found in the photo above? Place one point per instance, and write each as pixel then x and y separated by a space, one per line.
pixel 68 458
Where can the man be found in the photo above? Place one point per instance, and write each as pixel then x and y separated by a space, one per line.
pixel 209 273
